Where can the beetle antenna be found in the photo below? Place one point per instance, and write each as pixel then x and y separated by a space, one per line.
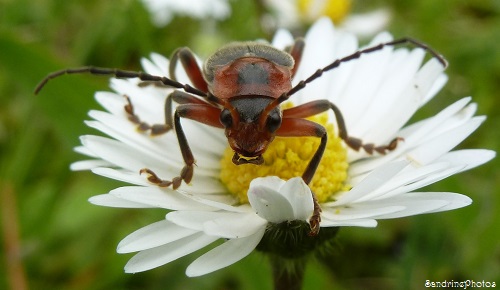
pixel 121 74
pixel 357 55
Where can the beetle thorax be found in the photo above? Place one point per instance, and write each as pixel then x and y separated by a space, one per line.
pixel 251 76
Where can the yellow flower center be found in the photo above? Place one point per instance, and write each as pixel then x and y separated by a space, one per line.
pixel 288 157
pixel 336 10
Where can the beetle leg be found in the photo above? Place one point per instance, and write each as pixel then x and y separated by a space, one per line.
pixel 199 111
pixel 179 97
pixel 319 106
pixel 295 127
pixel 296 51
pixel 132 117
pixel 155 129
pixel 191 67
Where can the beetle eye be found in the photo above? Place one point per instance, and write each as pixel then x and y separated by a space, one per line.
pixel 226 119
pixel 273 121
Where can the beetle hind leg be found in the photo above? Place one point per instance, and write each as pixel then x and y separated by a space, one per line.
pixel 315 219
pixel 154 130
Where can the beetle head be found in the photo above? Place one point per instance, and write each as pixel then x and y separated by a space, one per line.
pixel 249 127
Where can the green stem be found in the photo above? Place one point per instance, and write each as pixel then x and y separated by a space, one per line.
pixel 287 276
pixel 288 246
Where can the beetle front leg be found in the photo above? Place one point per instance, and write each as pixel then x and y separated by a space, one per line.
pixel 292 127
pixel 197 111
pixel 187 171
pixel 320 106
pixel 296 51
pixel 193 70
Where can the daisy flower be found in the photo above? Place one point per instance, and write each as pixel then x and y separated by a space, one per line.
pixel 293 13
pixel 162 11
pixel 266 207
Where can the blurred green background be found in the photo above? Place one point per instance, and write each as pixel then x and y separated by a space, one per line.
pixel 52 238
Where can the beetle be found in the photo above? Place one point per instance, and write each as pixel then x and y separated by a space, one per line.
pixel 240 89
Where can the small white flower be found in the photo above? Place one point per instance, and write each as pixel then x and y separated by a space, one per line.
pixel 162 11
pixel 377 95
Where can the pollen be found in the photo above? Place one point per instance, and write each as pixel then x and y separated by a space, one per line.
pixel 288 157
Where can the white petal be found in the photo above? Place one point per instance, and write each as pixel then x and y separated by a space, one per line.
pixel 271 182
pixel 421 202
pixel 148 101
pixel 338 78
pixel 150 67
pixel 270 205
pixel 153 235
pixel 112 102
pixel 282 38
pixel 218 223
pixel 358 211
pixel 455 200
pixel 299 196
pixel 418 131
pixel 417 177
pixel 458 119
pixel 410 177
pixel 234 225
pixel 413 135
pixel 427 180
pixel 367 223
pixel 224 255
pixel 375 179
pixel 161 63
pixel 193 219
pixel 122 175
pixel 113 201
pixel 367 74
pixel 414 208
pixel 367 24
pixel 401 110
pixel 158 197
pixel 315 56
pixel 433 149
pixel 401 69
pixel 468 157
pixel 116 153
pixel 84 151
pixel 436 87
pixel 152 148
pixel 88 164
pixel 222 201
pixel 155 257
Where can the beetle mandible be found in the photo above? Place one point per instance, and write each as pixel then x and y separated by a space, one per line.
pixel 240 89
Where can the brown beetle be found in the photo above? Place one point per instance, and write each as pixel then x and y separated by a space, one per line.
pixel 240 90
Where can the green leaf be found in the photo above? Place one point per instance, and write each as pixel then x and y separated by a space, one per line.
pixel 65 100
